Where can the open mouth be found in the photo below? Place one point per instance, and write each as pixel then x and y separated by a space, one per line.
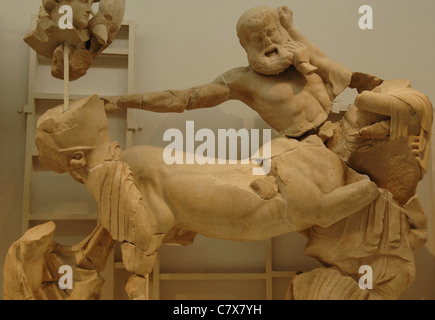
pixel 271 52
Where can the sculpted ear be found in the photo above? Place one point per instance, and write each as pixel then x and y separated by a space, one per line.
pixel 78 161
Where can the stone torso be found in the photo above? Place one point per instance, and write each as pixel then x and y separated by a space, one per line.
pixel 291 103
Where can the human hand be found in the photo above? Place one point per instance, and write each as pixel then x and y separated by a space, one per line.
pixel 378 130
pixel 418 144
pixel 301 57
pixel 111 104
pixel 285 17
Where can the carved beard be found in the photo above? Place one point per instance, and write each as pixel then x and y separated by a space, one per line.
pixel 272 63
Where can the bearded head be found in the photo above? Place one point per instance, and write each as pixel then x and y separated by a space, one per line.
pixel 265 41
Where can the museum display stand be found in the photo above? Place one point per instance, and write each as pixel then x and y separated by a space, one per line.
pixel 265 279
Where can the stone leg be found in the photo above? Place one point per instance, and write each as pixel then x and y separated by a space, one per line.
pixel 137 287
pixel 141 263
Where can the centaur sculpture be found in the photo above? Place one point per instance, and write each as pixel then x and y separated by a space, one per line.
pixel 349 186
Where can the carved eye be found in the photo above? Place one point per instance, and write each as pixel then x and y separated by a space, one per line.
pixel 271 31
pixel 78 156
pixel 256 38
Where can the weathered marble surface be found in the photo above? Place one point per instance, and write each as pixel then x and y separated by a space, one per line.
pixel 348 185
pixel 88 38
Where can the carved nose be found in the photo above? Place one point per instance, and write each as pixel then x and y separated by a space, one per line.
pixel 267 41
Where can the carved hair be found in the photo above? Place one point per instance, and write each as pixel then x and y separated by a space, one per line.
pixel 259 13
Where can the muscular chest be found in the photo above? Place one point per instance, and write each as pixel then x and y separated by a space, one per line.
pixel 291 103
pixel 290 89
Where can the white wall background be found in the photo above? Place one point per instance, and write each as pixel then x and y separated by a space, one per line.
pixel 190 42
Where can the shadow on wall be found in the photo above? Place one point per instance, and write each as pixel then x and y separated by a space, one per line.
pixel 419 290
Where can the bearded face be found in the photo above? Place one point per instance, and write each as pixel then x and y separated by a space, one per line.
pixel 271 61
pixel 266 43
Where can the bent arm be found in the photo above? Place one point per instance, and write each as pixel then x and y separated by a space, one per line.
pixel 335 75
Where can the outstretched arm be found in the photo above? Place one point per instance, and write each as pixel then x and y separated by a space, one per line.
pixel 337 76
pixel 203 96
